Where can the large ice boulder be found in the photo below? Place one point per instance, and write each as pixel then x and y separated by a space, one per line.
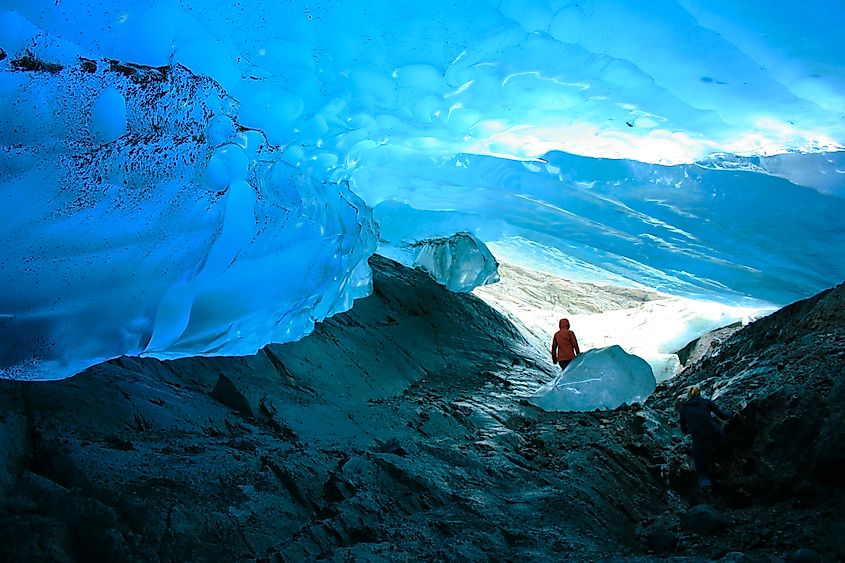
pixel 461 262
pixel 602 378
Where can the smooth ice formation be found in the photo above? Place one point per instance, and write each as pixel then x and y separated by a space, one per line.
pixel 601 378
pixel 460 262
pixel 189 235
pixel 185 177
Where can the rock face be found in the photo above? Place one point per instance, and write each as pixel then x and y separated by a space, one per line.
pixel 780 475
pixel 398 431
pixel 707 345
pixel 394 432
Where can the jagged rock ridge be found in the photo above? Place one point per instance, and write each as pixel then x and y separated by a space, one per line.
pixel 397 432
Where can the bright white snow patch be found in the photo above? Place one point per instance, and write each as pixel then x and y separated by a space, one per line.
pixel 651 325
pixel 656 330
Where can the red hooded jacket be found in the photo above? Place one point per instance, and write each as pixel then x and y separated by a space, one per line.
pixel 564 344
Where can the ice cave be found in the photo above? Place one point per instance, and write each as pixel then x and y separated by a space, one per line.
pixel 181 180
pixel 236 184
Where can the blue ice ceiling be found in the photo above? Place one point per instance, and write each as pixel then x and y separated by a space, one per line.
pixel 205 177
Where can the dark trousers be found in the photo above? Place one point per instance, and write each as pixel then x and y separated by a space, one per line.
pixel 564 363
pixel 703 450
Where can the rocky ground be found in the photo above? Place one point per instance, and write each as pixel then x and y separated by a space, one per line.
pixel 397 432
pixel 780 488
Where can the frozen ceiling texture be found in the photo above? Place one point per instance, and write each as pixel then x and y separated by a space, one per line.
pixel 184 178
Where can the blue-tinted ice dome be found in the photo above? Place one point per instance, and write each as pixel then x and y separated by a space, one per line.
pixel 186 177
pixel 601 378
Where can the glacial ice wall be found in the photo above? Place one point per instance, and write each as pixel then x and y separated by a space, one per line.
pixel 182 177
pixel 145 220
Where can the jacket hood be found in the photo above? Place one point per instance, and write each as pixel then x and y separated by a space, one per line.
pixel 564 323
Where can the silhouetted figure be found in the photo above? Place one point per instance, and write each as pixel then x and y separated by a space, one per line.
pixel 564 345
pixel 698 421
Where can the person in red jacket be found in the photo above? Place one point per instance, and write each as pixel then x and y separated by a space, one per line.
pixel 564 345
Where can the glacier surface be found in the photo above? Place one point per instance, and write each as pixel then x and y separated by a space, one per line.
pixel 182 177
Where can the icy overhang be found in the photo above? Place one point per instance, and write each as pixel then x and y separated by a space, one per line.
pixel 199 177
pixel 662 82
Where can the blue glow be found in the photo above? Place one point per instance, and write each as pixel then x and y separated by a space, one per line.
pixel 206 177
